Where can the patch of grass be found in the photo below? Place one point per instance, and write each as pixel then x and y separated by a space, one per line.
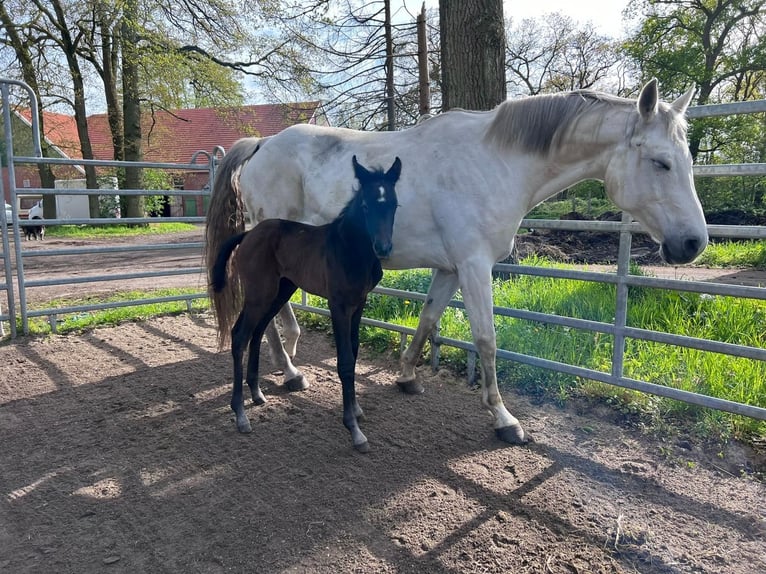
pixel 94 231
pixel 750 253
pixel 81 321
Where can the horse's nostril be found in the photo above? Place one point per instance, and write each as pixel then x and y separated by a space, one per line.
pixel 692 245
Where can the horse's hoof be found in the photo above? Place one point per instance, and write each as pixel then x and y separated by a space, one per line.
pixel 363 447
pixel 512 434
pixel 411 387
pixel 258 401
pixel 244 427
pixel 298 383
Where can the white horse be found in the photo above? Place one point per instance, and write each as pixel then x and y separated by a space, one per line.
pixel 468 180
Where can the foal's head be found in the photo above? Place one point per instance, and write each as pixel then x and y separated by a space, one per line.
pixel 377 196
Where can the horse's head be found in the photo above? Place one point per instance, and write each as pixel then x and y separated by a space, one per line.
pixel 650 177
pixel 378 196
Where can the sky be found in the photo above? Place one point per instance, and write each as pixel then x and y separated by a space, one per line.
pixel 606 15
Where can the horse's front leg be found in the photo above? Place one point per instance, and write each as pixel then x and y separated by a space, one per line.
pixel 343 322
pixel 476 286
pixel 443 287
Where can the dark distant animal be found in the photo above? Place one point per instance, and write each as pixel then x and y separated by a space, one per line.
pixel 338 261
pixel 34 231
pixel 471 178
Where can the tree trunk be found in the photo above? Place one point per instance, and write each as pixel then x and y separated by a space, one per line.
pixel 131 109
pixel 472 53
pixel 28 71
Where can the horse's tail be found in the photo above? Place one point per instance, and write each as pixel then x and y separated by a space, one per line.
pixel 226 305
pixel 226 218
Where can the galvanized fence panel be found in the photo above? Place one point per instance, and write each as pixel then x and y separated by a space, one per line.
pixel 621 278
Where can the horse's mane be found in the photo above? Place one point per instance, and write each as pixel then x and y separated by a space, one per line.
pixel 535 123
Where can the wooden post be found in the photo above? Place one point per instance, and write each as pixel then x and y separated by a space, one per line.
pixel 424 87
pixel 390 110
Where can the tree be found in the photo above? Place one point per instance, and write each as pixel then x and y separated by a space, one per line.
pixel 361 61
pixel 472 53
pixel 718 46
pixel 552 54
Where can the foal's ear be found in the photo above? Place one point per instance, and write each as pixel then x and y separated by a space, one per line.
pixel 359 170
pixel 647 100
pixel 395 170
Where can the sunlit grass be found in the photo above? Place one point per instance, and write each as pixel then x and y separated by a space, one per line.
pixel 734 254
pixel 94 231
pixel 84 320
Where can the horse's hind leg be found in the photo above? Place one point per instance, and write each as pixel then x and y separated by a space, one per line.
pixel 443 287
pixel 253 364
pixel 291 331
pixel 241 334
pixel 293 379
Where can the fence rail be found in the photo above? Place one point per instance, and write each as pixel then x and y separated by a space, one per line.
pixel 621 279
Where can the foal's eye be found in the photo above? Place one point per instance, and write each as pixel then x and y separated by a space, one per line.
pixel 659 164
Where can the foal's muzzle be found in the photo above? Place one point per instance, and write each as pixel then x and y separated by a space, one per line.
pixel 382 249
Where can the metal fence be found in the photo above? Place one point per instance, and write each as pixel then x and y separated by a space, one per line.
pixel 622 279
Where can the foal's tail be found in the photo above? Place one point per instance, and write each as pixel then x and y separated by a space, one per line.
pixel 226 218
pixel 225 305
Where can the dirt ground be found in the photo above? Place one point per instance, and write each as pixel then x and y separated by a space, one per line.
pixel 119 454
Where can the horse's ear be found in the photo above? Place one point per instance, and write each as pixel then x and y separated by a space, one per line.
pixel 683 101
pixel 395 170
pixel 359 170
pixel 647 100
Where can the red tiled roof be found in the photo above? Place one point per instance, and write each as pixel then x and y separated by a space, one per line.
pixel 60 130
pixel 174 136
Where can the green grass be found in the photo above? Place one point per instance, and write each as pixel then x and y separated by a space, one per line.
pixel 78 322
pixel 734 254
pixel 94 231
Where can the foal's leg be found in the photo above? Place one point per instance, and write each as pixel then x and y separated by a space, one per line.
pixel 342 325
pixel 476 286
pixel 443 287
pixel 241 334
pixel 356 320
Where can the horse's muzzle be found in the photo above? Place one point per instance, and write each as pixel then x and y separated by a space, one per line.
pixel 682 249
pixel 382 250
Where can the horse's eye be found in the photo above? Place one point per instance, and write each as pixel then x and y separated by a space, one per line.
pixel 659 164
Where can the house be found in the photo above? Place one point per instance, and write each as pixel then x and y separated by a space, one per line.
pixel 172 136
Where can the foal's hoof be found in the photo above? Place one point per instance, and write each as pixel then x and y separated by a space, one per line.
pixel 512 434
pixel 298 383
pixel 411 387
pixel 364 447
